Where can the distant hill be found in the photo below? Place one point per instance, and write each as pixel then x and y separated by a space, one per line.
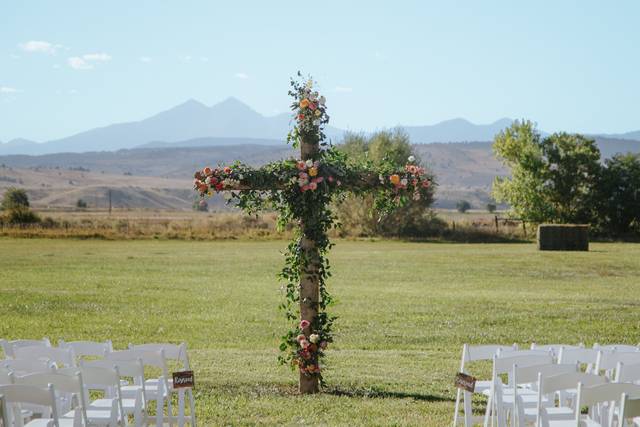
pixel 456 130
pixel 160 175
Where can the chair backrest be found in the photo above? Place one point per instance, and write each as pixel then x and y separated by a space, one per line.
pixel 87 348
pixel 61 356
pixel 504 365
pixel 171 351
pixel 595 397
pixel 529 374
pixel 9 346
pixel 70 384
pixel 126 368
pixel 616 347
pixel 627 373
pixel 607 392
pixel 17 394
pixel 149 358
pixel 568 381
pixel 578 355
pixel 27 366
pixel 609 360
pixel 554 348
pixel 629 408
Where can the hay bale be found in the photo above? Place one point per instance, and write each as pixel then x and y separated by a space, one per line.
pixel 563 237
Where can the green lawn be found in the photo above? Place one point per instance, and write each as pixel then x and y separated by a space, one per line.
pixel 405 310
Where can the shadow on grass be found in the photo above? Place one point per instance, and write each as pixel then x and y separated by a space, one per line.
pixel 385 394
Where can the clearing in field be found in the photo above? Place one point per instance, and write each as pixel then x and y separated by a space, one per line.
pixel 404 311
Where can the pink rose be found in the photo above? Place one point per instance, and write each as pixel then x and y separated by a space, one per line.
pixel 304 188
pixel 303 175
pixel 304 324
pixel 301 165
pixel 304 344
pixel 330 179
pixel 300 337
pixel 313 186
pixel 318 179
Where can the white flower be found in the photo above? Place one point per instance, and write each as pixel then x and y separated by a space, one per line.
pixel 316 122
pixel 404 181
pixel 314 338
pixel 412 159
pixel 322 100
pixel 381 178
pixel 309 163
pixel 208 180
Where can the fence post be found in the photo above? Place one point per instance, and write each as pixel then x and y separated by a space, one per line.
pixel 497 230
pixel 524 228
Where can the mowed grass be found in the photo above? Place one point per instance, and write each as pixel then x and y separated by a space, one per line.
pixel 405 310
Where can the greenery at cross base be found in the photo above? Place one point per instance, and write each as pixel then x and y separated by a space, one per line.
pixel 357 212
pixel 15 208
pixel 405 310
pixel 561 179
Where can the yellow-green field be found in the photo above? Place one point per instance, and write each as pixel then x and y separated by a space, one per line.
pixel 405 310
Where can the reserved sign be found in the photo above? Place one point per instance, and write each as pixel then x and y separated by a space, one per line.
pixel 183 379
pixel 465 382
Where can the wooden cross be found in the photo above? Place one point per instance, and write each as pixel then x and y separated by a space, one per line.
pixel 308 134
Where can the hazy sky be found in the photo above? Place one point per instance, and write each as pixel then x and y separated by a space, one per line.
pixel 66 66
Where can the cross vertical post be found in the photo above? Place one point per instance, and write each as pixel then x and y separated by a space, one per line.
pixel 309 279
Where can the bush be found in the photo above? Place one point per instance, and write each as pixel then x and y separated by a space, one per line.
pixel 19 216
pixel 81 204
pixel 491 208
pixel 14 198
pixel 463 206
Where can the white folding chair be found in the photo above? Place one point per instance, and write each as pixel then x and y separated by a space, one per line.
pixel 627 373
pixel 63 357
pixel 177 353
pixel 27 366
pixel 501 396
pixel 608 361
pixel 84 349
pixel 157 391
pixel 133 403
pixel 548 387
pixel 601 401
pixel 474 353
pixel 629 410
pixel 530 375
pixel 107 383
pixel 69 391
pixel 9 346
pixel 17 395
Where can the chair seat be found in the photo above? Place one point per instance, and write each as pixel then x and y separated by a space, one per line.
pixel 128 405
pixel 48 422
pixel 587 422
pixel 95 416
pixel 151 390
pixel 561 413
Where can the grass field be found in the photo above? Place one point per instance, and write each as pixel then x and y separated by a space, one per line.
pixel 405 310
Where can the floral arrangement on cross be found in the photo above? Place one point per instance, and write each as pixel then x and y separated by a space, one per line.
pixel 302 191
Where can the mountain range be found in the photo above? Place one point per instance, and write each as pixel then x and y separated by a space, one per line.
pixel 232 122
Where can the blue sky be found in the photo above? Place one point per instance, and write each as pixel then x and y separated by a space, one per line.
pixel 67 66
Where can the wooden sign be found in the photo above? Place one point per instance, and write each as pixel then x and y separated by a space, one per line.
pixel 465 382
pixel 183 379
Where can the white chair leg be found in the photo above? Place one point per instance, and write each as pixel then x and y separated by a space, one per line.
pixel 170 410
pixel 192 406
pixel 159 411
pixel 181 407
pixel 468 409
pixel 487 414
pixel 457 409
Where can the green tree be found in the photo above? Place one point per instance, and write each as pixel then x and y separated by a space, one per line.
pixel 462 206
pixel 356 213
pixel 14 198
pixel 491 207
pixel 81 204
pixel 553 179
pixel 619 194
